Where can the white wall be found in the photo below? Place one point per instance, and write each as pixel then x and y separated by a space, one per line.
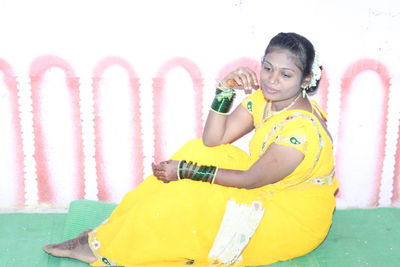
pixel 87 147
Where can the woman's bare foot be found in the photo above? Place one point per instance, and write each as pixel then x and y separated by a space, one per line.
pixel 77 248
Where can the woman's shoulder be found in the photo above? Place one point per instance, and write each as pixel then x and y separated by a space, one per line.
pixel 253 100
pixel 254 104
pixel 297 120
pixel 257 94
pixel 302 120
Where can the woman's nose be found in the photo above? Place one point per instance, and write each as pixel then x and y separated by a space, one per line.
pixel 273 78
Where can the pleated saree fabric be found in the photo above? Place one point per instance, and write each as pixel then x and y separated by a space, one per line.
pixel 195 223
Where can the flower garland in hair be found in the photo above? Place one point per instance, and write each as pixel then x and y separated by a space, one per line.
pixel 316 70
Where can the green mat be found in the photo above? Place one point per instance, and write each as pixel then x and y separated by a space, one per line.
pixel 358 237
pixel 22 237
pixel 364 237
pixel 82 215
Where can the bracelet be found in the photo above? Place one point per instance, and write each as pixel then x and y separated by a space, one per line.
pixel 214 175
pixel 179 170
pixel 203 173
pixel 191 174
pixel 223 100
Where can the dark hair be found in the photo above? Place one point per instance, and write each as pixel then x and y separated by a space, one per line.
pixel 298 45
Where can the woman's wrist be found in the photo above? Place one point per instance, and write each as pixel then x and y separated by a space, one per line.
pixel 223 99
pixel 190 170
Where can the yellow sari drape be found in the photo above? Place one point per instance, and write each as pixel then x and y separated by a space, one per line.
pixel 175 224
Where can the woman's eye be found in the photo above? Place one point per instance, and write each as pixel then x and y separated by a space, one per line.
pixel 267 68
pixel 286 75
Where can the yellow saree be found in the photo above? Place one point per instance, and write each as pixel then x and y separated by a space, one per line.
pixel 176 224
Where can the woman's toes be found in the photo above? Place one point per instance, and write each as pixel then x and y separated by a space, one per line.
pixel 47 248
pixel 50 249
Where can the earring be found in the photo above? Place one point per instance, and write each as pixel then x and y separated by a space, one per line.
pixel 304 92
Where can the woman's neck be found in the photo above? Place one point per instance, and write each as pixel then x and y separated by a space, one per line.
pixel 286 104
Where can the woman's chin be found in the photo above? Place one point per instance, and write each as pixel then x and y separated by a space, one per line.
pixel 268 95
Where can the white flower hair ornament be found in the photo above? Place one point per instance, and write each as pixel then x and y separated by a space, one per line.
pixel 316 71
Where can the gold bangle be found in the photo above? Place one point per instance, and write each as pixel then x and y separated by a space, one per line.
pixel 177 170
pixel 220 113
pixel 215 175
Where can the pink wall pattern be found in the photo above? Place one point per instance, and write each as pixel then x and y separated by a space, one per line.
pixel 16 154
pixel 350 74
pixel 135 142
pixel 46 181
pixel 42 156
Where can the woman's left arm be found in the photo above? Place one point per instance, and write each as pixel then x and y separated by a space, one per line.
pixel 275 164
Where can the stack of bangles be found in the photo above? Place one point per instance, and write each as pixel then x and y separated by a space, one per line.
pixel 223 100
pixel 190 170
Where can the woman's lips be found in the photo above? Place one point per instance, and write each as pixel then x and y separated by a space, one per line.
pixel 270 90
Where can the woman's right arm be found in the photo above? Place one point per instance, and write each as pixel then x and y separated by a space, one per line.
pixel 223 128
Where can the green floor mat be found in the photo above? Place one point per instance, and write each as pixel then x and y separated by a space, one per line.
pixel 358 237
pixel 368 237
pixel 363 237
pixel 82 215
pixel 22 237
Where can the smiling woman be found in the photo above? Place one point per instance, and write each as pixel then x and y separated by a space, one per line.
pixel 212 204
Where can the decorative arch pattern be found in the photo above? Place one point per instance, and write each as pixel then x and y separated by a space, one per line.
pixel 136 145
pixel 350 74
pixel 38 70
pixel 158 98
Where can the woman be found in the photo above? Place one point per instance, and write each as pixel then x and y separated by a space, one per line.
pixel 211 204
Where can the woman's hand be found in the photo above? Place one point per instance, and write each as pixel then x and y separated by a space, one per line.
pixel 242 78
pixel 166 170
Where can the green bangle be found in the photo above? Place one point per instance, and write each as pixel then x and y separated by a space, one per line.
pixel 199 175
pixel 223 100
pixel 186 172
pixel 179 173
pixel 192 170
pixel 214 175
pixel 204 173
pixel 211 174
pixel 208 174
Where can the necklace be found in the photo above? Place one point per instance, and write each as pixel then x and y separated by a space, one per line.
pixel 269 112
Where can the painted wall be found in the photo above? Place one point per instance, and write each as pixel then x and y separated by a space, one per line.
pixel 91 92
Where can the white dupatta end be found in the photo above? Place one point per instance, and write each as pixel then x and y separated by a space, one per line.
pixel 238 225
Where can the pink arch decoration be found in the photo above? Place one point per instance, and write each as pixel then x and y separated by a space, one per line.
pixel 240 62
pixel 158 91
pixel 323 90
pixel 350 74
pixel 396 178
pixel 37 71
pixel 11 82
pixel 100 68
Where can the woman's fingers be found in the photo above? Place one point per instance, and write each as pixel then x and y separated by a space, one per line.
pixel 250 78
pixel 242 78
pixel 254 79
pixel 161 171
pixel 158 170
pixel 245 77
pixel 165 170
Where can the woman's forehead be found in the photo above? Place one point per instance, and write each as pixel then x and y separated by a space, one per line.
pixel 283 56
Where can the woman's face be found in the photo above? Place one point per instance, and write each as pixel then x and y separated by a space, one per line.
pixel 280 77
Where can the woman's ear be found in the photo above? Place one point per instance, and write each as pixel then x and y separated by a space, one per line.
pixel 306 80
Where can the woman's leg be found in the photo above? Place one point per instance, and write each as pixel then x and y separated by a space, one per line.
pixel 77 248
pixel 225 156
